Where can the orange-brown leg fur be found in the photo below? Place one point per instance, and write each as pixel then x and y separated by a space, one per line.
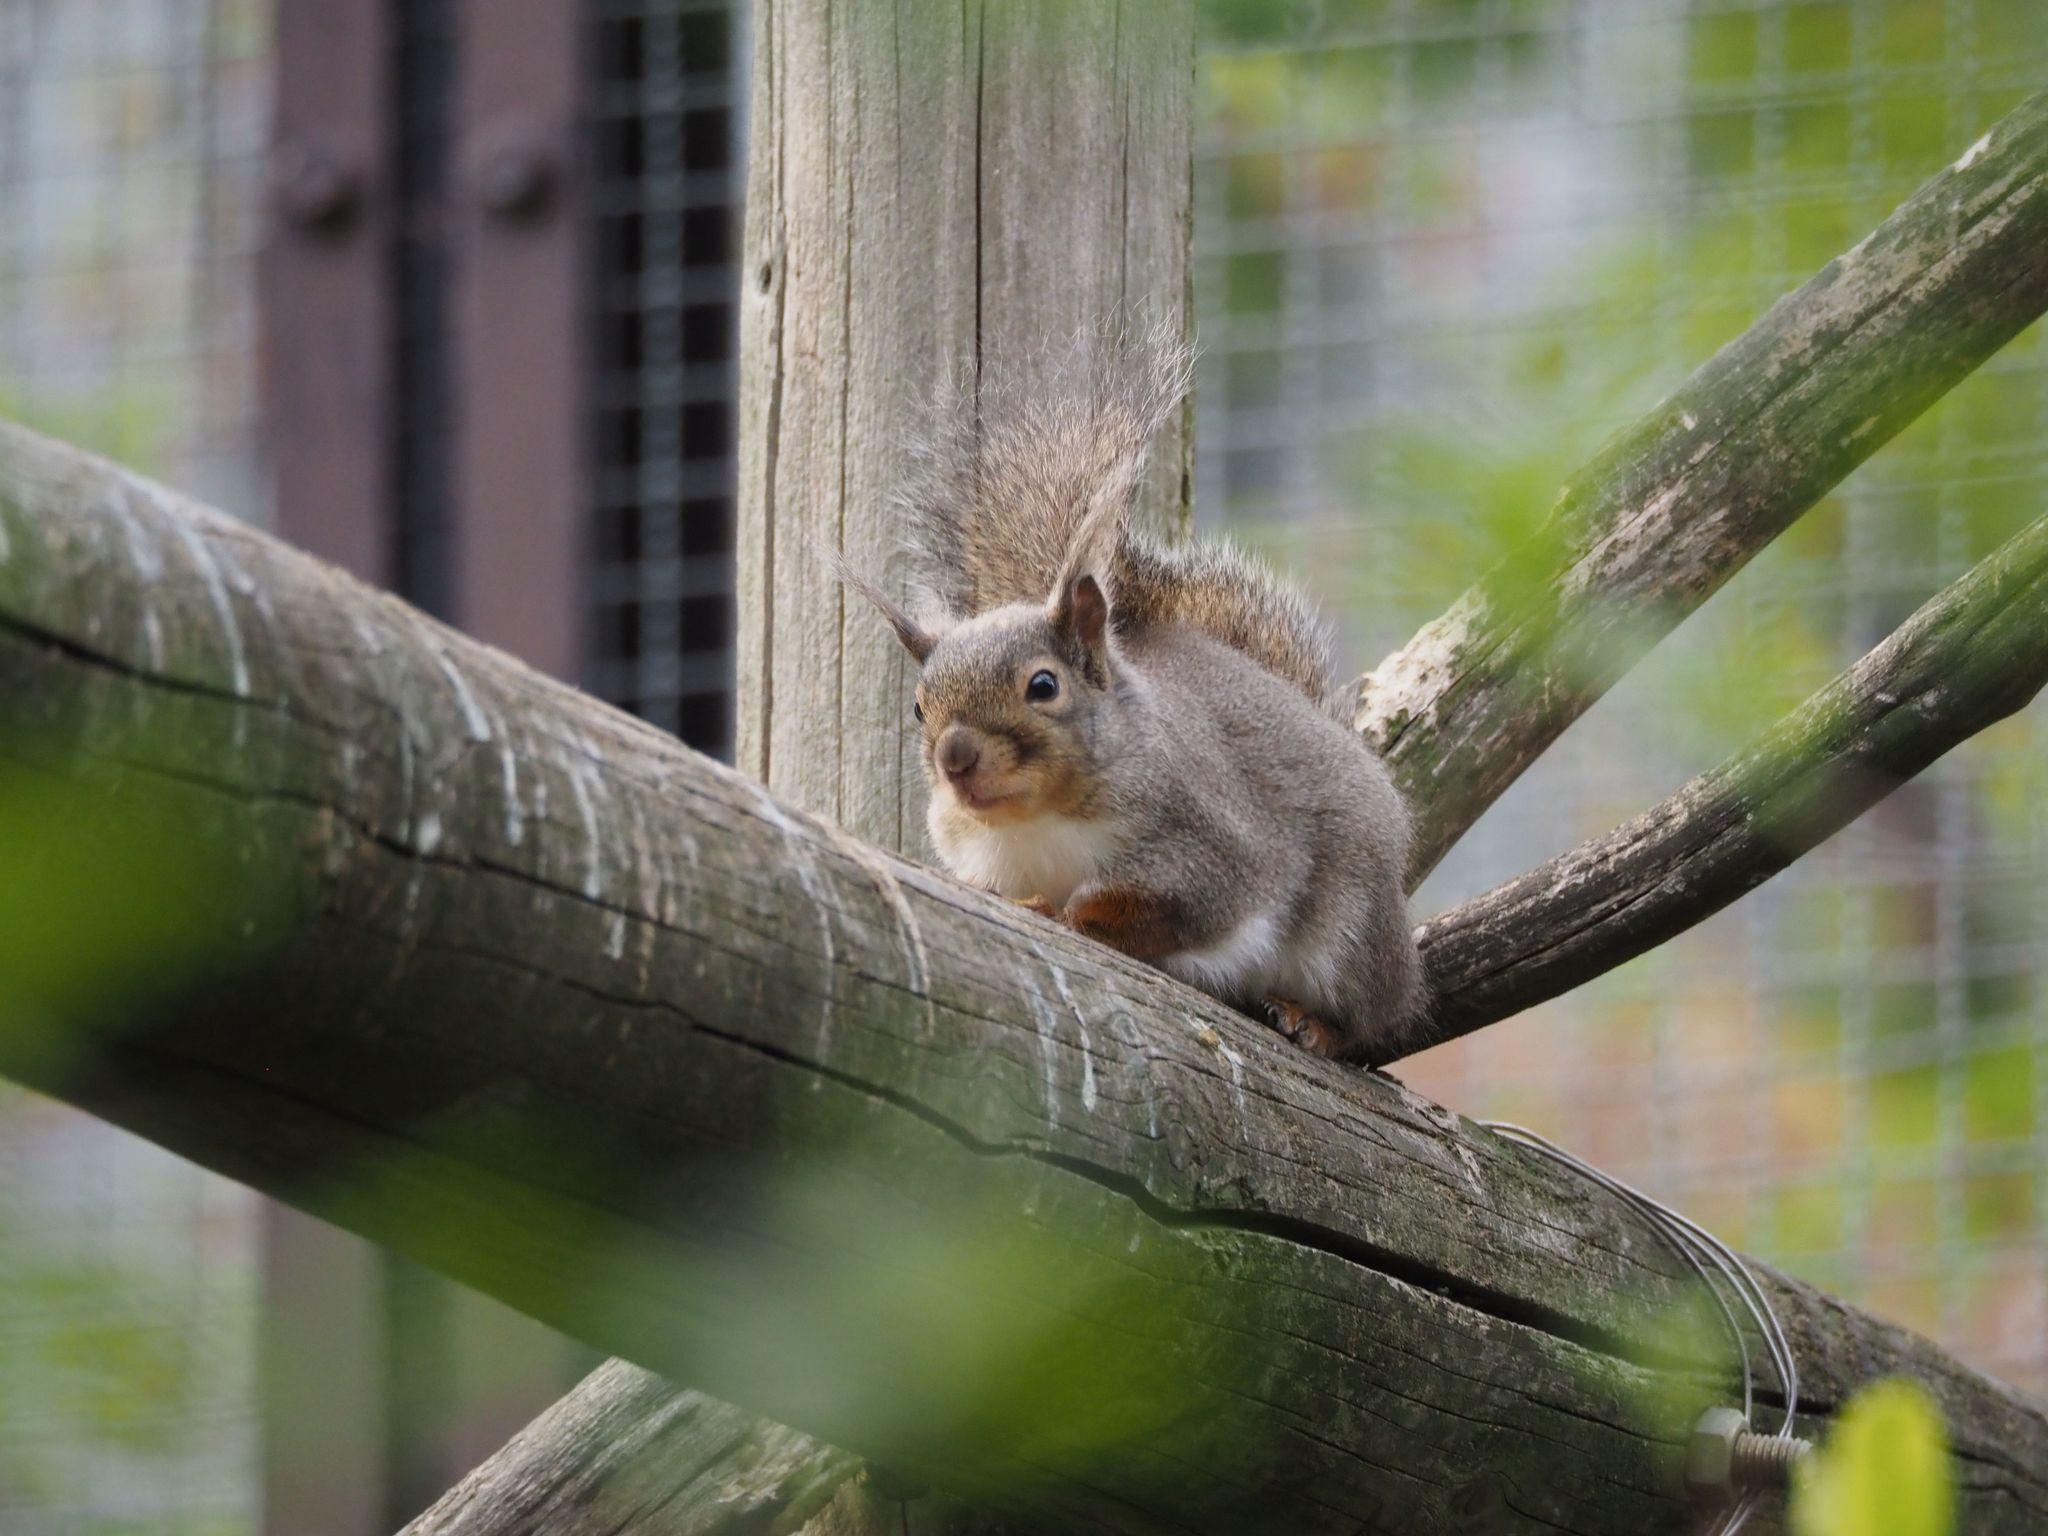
pixel 1136 922
pixel 1303 1028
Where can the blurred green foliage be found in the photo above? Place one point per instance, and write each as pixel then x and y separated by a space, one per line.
pixel 1882 1471
pixel 132 422
pixel 112 895
pixel 106 894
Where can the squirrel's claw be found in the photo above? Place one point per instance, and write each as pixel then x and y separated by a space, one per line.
pixel 1037 904
pixel 1303 1028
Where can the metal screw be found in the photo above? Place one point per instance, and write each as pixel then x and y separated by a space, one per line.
pixel 516 175
pixel 1725 1458
pixel 315 190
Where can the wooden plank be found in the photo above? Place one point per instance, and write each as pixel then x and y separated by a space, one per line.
pixel 608 1031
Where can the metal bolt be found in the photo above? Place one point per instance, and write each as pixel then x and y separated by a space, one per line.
pixel 314 190
pixel 516 176
pixel 1725 1458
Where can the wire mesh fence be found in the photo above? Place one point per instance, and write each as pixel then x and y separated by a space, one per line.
pixel 665 195
pixel 1447 246
pixel 131 138
pixel 1444 247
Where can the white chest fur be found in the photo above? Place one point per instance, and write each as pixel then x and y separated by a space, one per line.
pixel 1047 856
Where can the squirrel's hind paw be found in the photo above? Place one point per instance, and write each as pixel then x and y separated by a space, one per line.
pixel 1312 1034
pixel 1037 904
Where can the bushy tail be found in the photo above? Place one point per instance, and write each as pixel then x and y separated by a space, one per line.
pixel 1006 476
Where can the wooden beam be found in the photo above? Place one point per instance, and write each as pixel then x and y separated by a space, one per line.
pixel 1677 503
pixel 326 294
pixel 328 321
pixel 522 987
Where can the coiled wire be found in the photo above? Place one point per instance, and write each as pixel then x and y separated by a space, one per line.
pixel 1708 1256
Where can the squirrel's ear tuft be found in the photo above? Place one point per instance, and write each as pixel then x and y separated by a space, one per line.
pixel 1080 611
pixel 1089 612
pixel 1079 607
pixel 916 639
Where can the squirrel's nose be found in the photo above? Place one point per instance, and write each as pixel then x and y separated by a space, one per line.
pixel 958 752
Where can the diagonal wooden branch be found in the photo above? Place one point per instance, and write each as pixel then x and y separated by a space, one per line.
pixel 628 1454
pixel 1973 655
pixel 627 1451
pixel 1678 503
pixel 602 1028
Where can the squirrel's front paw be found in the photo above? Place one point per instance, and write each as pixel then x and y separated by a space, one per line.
pixel 1037 904
pixel 1312 1034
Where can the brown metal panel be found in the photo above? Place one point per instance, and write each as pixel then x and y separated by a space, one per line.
pixel 322 1348
pixel 517 518
pixel 325 292
pixel 520 507
pixel 325 306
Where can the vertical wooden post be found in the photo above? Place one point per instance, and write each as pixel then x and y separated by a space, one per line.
pixel 932 188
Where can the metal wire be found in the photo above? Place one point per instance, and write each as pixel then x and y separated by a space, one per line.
pixel 1707 1255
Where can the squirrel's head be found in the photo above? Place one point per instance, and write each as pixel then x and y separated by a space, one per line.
pixel 1010 702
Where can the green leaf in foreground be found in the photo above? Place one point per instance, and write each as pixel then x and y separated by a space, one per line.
pixel 1884 1471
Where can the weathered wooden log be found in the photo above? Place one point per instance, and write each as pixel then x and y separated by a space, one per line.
pixel 545 1000
pixel 1974 654
pixel 1676 504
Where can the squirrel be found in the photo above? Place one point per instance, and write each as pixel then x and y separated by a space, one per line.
pixel 1139 738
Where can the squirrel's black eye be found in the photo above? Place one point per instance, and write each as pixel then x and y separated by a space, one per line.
pixel 917 710
pixel 1043 686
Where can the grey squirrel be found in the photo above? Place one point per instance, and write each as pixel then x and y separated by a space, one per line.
pixel 1134 737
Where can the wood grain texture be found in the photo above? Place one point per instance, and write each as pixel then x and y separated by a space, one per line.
pixel 934 189
pixel 626 1451
pixel 1676 504
pixel 1970 657
pixel 610 1032
pixel 629 1454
